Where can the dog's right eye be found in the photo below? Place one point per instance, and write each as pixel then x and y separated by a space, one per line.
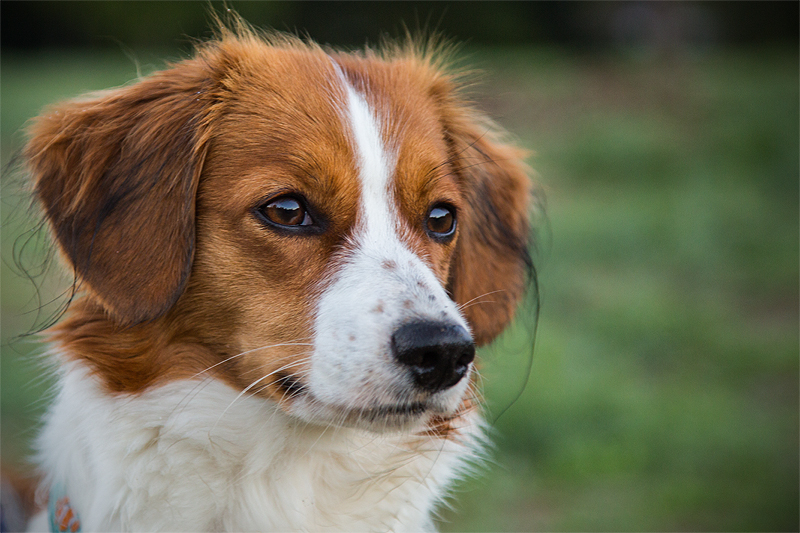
pixel 286 212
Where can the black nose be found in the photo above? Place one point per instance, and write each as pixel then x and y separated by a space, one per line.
pixel 437 354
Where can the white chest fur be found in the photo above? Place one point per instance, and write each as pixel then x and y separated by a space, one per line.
pixel 193 456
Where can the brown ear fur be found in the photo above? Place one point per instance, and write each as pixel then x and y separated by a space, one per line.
pixel 492 264
pixel 117 176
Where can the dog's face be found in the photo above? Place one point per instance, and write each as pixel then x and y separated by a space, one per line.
pixel 333 232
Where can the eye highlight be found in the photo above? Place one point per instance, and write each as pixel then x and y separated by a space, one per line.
pixel 441 222
pixel 287 212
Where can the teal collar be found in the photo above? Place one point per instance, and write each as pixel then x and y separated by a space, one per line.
pixel 63 516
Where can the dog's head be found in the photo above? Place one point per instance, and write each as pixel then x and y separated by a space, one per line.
pixel 336 232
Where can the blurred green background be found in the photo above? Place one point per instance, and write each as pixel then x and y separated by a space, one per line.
pixel 663 392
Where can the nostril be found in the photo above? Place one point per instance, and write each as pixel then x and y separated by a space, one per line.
pixel 429 360
pixel 462 364
pixel 436 354
pixel 467 356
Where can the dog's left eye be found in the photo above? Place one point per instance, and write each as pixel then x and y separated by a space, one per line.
pixel 441 222
pixel 286 211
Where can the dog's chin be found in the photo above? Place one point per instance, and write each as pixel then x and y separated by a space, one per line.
pixel 379 418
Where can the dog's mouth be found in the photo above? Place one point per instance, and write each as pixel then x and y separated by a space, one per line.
pixel 390 415
pixel 382 417
pixel 382 412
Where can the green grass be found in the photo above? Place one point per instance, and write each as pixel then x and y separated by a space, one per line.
pixel 664 386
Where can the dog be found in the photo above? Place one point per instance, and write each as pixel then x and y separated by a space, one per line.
pixel 285 258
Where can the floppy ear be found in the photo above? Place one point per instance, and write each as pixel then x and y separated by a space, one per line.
pixel 491 266
pixel 117 175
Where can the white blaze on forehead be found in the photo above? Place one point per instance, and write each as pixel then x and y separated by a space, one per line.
pixel 376 163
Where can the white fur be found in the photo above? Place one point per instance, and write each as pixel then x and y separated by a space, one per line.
pixel 187 457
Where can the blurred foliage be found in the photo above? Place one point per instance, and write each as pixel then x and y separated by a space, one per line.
pixel 41 24
pixel 664 385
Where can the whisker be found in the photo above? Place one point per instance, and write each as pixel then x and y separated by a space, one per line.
pixel 209 379
pixel 467 303
pixel 280 345
pixel 249 387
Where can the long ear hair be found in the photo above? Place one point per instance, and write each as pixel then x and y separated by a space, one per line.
pixel 492 266
pixel 117 175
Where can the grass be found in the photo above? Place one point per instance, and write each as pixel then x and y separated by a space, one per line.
pixel 664 386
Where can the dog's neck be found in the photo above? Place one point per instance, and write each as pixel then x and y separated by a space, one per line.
pixel 196 454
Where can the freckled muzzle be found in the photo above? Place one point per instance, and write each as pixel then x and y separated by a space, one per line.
pixel 438 355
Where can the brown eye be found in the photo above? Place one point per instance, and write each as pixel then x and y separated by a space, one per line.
pixel 441 222
pixel 286 211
